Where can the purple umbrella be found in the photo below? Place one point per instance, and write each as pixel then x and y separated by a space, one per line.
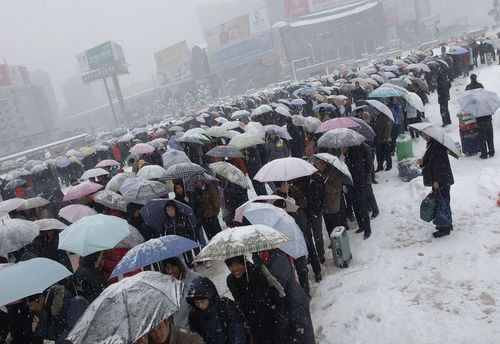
pixel 335 123
pixel 153 212
pixel 81 190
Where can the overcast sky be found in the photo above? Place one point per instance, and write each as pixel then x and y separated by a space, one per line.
pixel 47 34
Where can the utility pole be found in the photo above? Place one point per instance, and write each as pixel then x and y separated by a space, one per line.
pixel 110 101
pixel 120 97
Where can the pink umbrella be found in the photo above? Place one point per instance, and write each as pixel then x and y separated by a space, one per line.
pixel 142 148
pixel 335 123
pixel 107 163
pixel 80 190
pixel 75 212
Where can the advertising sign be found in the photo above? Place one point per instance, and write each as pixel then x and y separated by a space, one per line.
pixel 105 59
pixel 296 8
pixel 13 75
pixel 240 40
pixel 173 64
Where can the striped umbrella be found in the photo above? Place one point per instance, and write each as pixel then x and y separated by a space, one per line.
pixel 183 170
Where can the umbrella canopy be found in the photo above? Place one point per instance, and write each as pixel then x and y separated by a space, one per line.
pixel 28 278
pixel 173 157
pixel 225 152
pixel 311 124
pixel 94 172
pixel 277 218
pixel 422 84
pixel 15 234
pixel 335 162
pixel 414 100
pixel 152 172
pixel 240 114
pixel 144 191
pixel 335 123
pixel 129 182
pixel 245 140
pixel 75 212
pixel 364 129
pixel 183 170
pixel 110 200
pixel 107 163
pixel 153 251
pixel 325 106
pixel 256 128
pixel 384 92
pixel 298 102
pixel 142 148
pixel 230 173
pixel 158 143
pixel 381 107
pixel 479 102
pixel 278 131
pixel 457 51
pixel 439 135
pixel 240 241
pixel 39 168
pixel 50 224
pixel 9 205
pixel 14 183
pixel 343 137
pixel 283 111
pixel 133 239
pixel 81 190
pixel 298 120
pixel 62 161
pixel 262 109
pixel 93 234
pixel 232 125
pixel 120 310
pixel 418 67
pixel 117 180
pixel 175 128
pixel 74 152
pixel 290 206
pixel 127 137
pixel 32 203
pixel 217 132
pixel 153 212
pixel 284 169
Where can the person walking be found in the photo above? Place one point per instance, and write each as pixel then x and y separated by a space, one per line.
pixel 443 90
pixel 206 205
pixel 382 126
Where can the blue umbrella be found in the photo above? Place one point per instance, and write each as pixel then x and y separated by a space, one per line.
pixel 384 92
pixel 153 212
pixel 14 183
pixel 93 233
pixel 298 102
pixel 458 51
pixel 269 215
pixel 305 91
pixel 153 251
pixel 478 102
pixel 327 107
pixel 29 278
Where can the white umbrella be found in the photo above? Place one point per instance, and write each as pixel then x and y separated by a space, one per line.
pixel 217 132
pixel 222 119
pixel 311 124
pixel 34 202
pixel 341 137
pixel 282 110
pixel 117 180
pixel 232 125
pixel 50 224
pixel 94 172
pixel 479 102
pixel 261 110
pixel 284 169
pixel 256 128
pixel 335 162
pixel 107 163
pixel 414 100
pixel 230 172
pixel 15 234
pixel 278 131
pixel 245 140
pixel 152 172
pixel 439 135
pixel 239 114
pixel 110 200
pixel 381 107
pixel 9 205
pixel 290 206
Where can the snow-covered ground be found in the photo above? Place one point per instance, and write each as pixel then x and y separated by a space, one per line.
pixel 404 286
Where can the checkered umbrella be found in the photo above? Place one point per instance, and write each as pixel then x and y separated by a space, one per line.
pixel 230 172
pixel 183 170
pixel 243 240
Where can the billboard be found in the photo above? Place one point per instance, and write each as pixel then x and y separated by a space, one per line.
pixel 296 8
pixel 104 60
pixel 13 75
pixel 240 40
pixel 173 64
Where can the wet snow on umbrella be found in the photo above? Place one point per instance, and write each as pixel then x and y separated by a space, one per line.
pixel 107 163
pixel 343 137
pixel 152 172
pixel 34 202
pixel 49 224
pixel 225 152
pixel 142 148
pixel 335 162
pixel 9 205
pixel 243 240
pixel 94 172
pixel 183 170
pixel 144 191
pixel 245 140
pixel 81 190
pixel 104 318
pixel 479 102
pixel 284 169
pixel 15 234
pixel 230 173
pixel 116 181
pixel 110 200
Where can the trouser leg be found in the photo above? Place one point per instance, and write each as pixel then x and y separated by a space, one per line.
pixel 302 273
pixel 317 229
pixel 371 200
pixel 211 226
pixel 361 211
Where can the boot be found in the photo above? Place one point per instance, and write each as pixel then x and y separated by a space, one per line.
pixel 379 168
pixel 439 234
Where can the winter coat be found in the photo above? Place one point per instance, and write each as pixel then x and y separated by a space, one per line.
pixel 358 94
pixel 233 196
pixel 436 165
pixel 473 85
pixel 206 201
pixel 443 88
pixel 146 231
pixel 181 317
pixel 253 161
pixel 333 190
pixel 300 216
pixel 359 166
pixel 222 322
pixel 396 113
pixel 64 312
pixel 297 143
pixel 316 193
pixel 181 336
pixel 178 225
pixel 52 252
pixel 276 149
pixel 382 126
pixel 89 281
pixel 294 318
pixel 257 300
pixel 110 259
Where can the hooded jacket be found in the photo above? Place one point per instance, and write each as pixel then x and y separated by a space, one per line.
pixel 436 165
pixel 181 317
pixel 222 322
pixel 89 281
pixel 178 225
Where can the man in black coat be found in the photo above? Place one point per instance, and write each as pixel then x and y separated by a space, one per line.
pixel 255 297
pixel 443 90
pixel 436 172
pixel 360 169
pixel 358 94
pixel 297 147
pixel 484 125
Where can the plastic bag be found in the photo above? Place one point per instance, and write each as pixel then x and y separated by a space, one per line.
pixel 428 207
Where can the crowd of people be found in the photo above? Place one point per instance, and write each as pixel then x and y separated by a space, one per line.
pixel 270 292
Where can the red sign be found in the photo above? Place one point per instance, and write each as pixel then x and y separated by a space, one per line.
pixel 295 8
pixel 4 75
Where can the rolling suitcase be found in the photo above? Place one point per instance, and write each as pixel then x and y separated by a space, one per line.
pixel 340 247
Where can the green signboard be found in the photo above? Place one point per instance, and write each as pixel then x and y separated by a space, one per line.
pixel 104 60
